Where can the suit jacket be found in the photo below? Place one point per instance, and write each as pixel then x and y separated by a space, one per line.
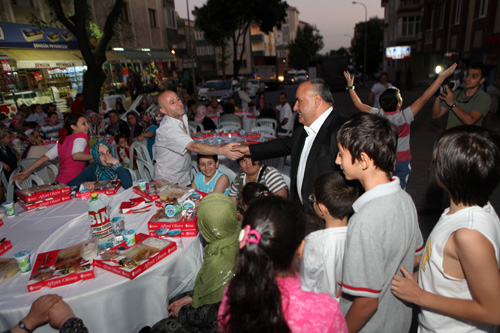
pixel 321 157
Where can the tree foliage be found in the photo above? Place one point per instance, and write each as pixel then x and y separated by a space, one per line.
pixel 221 20
pixel 92 41
pixel 308 42
pixel 374 40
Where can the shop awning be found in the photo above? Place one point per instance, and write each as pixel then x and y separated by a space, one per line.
pixel 44 58
pixel 114 57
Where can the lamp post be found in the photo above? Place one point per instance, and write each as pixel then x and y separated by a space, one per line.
pixel 191 47
pixel 366 33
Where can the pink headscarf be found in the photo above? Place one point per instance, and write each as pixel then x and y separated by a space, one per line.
pixel 201 110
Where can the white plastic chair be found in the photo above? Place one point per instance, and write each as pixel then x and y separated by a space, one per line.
pixel 198 127
pixel 30 181
pixel 10 188
pixel 269 122
pixel 287 179
pixel 42 171
pixel 133 174
pixel 137 149
pixel 229 173
pixel 230 123
pixel 230 127
pixel 145 168
pixel 264 130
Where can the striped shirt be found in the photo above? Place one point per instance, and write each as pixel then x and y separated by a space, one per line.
pixel 402 120
pixel 271 178
pixel 51 131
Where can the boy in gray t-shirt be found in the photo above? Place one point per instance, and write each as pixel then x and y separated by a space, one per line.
pixel 383 233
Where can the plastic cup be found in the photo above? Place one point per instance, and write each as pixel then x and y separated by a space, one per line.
pixel 23 261
pixel 9 209
pixel 129 236
pixel 142 184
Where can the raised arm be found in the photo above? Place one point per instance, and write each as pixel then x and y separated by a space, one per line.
pixel 420 102
pixel 22 175
pixel 201 148
pixel 354 97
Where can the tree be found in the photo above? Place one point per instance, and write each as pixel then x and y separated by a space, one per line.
pixel 230 19
pixel 80 24
pixel 373 45
pixel 306 45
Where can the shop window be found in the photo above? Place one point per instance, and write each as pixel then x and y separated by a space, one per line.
pixel 23 3
pixel 152 18
pixel 458 7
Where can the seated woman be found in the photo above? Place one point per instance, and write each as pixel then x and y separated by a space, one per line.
pixel 8 156
pixel 134 123
pixel 106 168
pixel 201 118
pixel 96 126
pixel 196 311
pixel 254 171
pixel 73 152
pixel 210 179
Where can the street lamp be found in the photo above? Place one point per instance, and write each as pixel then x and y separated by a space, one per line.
pixel 366 33
pixel 192 51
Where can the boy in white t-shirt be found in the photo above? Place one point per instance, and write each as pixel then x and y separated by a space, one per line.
pixel 321 266
pixel 459 279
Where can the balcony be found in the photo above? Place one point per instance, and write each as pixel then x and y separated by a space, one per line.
pixel 257 38
pixel 261 53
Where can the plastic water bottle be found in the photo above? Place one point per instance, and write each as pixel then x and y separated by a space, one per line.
pixel 100 223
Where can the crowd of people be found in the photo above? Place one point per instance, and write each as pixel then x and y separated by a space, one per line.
pixel 340 249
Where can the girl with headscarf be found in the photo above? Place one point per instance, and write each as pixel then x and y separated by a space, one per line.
pixel 201 118
pixel 134 123
pixel 105 107
pixel 106 167
pixel 196 311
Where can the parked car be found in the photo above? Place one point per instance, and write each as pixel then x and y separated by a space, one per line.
pixel 301 76
pixel 254 87
pixel 218 89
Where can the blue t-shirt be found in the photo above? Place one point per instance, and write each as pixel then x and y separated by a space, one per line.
pixel 151 140
pixel 208 188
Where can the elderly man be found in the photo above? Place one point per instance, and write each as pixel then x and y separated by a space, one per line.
pixel 174 144
pixel 314 147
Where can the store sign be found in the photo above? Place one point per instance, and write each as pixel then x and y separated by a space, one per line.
pixel 24 36
pixel 398 52
pixel 6 66
pixel 46 64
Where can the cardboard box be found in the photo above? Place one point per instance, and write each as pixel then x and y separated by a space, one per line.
pixel 5 246
pixel 45 202
pixel 144 194
pixel 132 273
pixel 172 225
pixel 57 280
pixel 38 193
pixel 184 233
pixel 107 188
pixel 135 205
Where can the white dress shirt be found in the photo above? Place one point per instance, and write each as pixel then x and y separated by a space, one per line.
pixel 311 135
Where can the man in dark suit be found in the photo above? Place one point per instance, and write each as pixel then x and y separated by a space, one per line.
pixel 313 147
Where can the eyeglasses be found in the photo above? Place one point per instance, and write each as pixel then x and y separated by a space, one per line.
pixel 311 198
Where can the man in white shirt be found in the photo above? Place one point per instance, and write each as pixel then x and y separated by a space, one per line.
pixel 313 149
pixel 174 144
pixel 286 114
pixel 377 90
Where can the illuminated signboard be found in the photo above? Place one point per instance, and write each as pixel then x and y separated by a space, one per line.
pixel 398 52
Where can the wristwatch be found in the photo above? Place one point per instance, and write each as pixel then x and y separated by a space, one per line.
pixel 23 327
pixel 453 105
pixel 350 87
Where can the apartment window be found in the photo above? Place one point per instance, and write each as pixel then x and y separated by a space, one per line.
pixel 442 8
pixel 152 18
pixel 410 26
pixel 23 3
pixel 483 4
pixel 458 8
pixel 171 23
pixel 205 50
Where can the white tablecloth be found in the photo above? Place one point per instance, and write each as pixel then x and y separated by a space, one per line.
pixel 109 302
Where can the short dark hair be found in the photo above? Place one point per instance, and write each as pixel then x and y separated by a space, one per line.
pixel 320 88
pixel 284 94
pixel 466 160
pixel 51 113
pixel 481 67
pixel 253 191
pixel 389 99
pixel 336 193
pixel 112 111
pixel 72 119
pixel 375 136
pixel 214 157
pixel 228 108
pixel 120 136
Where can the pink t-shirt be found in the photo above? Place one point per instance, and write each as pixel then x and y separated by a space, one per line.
pixel 69 168
pixel 305 311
